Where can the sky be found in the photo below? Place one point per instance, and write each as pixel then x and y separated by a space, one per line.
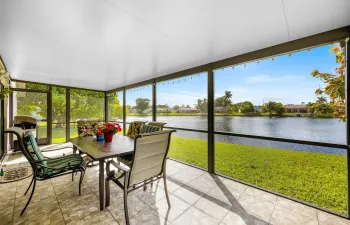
pixel 286 79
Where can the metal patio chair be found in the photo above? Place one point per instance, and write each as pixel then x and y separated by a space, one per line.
pixel 45 168
pixel 148 161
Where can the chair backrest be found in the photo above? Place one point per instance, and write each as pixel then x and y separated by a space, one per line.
pixel 149 156
pixel 135 128
pixel 157 124
pixel 31 153
pixel 31 146
pixel 86 127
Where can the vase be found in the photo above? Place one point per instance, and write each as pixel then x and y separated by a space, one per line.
pixel 108 137
pixel 100 138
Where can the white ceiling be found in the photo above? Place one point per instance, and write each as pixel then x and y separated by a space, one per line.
pixel 104 44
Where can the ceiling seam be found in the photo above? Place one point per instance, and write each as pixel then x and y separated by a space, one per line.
pixel 149 25
pixel 285 18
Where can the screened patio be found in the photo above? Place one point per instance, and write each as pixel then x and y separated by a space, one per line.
pixel 262 136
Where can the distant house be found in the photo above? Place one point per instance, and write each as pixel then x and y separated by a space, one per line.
pixel 132 110
pixel 186 110
pixel 291 108
pixel 162 108
pixel 258 109
pixel 220 109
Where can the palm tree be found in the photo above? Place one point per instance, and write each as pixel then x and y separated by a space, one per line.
pixel 321 100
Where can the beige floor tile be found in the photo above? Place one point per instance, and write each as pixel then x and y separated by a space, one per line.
pixel 135 205
pixel 226 194
pixel 194 216
pixel 151 195
pixel 213 207
pixel 6 216
pixel 189 194
pixel 180 165
pixel 148 217
pixel 172 169
pixel 236 217
pixel 203 184
pixel 178 206
pixel 77 207
pixel 261 195
pixel 256 206
pixel 296 207
pixel 51 218
pixel 329 219
pixel 233 184
pixel 42 210
pixel 103 218
pixel 186 176
pixel 172 186
pixel 284 216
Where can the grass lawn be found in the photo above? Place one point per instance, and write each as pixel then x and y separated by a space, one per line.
pixel 316 178
pixel 311 177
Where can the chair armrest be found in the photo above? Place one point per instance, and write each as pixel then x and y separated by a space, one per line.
pixel 116 165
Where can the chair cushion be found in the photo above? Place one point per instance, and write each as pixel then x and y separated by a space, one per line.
pixel 60 165
pixel 135 129
pixel 150 129
pixel 86 127
pixel 32 146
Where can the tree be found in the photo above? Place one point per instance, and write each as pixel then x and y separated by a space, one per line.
pixel 142 104
pixel 176 107
pixel 188 106
pixel 84 104
pixel 310 108
pixel 219 102
pixel 227 99
pixel 246 107
pixel 274 108
pixel 224 101
pixel 269 107
pixel 321 100
pixel 202 105
pixel 115 109
pixel 334 83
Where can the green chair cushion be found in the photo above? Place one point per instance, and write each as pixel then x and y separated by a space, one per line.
pixel 49 167
pixel 150 129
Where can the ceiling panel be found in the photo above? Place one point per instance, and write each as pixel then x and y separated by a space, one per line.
pixel 306 18
pixel 104 44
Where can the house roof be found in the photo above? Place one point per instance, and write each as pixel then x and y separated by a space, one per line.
pixel 187 109
pixel 112 43
pixel 292 106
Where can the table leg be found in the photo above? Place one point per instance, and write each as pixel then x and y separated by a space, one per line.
pixel 101 184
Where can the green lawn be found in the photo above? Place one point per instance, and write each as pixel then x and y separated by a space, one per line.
pixel 311 177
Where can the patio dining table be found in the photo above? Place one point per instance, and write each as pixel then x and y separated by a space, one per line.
pixel 100 151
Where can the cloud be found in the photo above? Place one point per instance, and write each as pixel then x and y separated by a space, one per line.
pixel 179 97
pixel 267 78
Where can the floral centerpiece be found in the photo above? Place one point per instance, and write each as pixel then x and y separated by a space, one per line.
pixel 107 130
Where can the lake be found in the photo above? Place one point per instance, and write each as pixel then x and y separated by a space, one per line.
pixel 298 128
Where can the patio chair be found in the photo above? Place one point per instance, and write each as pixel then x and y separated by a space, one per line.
pixel 140 127
pixel 45 168
pixel 149 161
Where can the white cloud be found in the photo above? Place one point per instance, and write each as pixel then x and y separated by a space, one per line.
pixel 268 78
pixel 179 97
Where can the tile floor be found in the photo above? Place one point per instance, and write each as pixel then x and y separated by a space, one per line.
pixel 196 198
